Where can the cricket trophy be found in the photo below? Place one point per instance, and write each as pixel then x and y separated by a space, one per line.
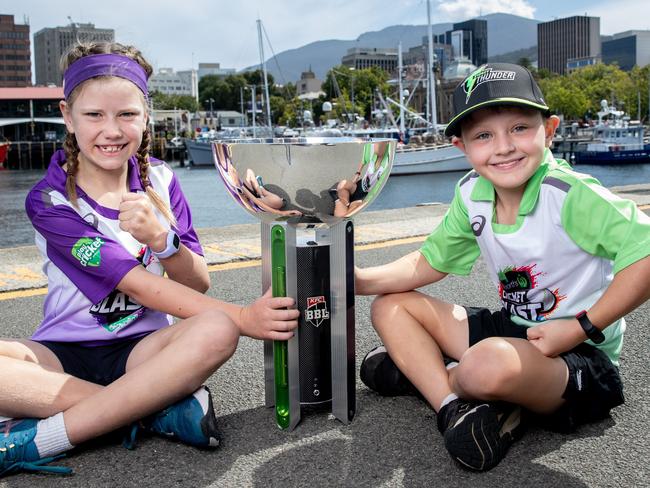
pixel 304 190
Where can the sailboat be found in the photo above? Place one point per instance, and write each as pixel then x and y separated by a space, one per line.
pixel 411 159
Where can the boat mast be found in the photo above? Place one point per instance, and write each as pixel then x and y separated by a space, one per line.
pixel 402 129
pixel 263 64
pixel 431 77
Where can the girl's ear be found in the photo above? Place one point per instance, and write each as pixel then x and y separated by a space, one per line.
pixel 65 112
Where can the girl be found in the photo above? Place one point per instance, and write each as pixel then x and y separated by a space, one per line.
pixel 109 222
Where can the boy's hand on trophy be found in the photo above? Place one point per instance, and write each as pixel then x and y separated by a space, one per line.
pixel 269 317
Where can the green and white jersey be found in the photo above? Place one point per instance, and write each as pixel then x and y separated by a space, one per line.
pixel 570 238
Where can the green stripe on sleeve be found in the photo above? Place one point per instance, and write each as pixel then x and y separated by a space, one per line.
pixel 605 225
pixel 452 247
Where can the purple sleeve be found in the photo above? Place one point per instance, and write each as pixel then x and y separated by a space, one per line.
pixel 181 211
pixel 91 260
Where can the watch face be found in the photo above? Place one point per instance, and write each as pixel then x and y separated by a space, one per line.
pixel 177 241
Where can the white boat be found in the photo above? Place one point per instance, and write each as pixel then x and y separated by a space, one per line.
pixel 416 159
pixel 199 150
pixel 440 158
pixel 616 141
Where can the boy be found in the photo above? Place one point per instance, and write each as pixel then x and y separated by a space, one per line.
pixel 556 244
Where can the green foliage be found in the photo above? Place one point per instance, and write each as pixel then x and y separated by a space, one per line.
pixel 363 82
pixel 579 93
pixel 162 101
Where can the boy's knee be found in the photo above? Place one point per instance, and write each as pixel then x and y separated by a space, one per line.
pixel 383 305
pixel 487 370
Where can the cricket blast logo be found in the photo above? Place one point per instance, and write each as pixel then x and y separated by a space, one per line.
pixel 316 311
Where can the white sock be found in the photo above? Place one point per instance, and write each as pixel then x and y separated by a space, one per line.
pixel 51 437
pixel 448 399
pixel 451 365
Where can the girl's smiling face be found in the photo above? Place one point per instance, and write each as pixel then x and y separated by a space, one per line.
pixel 108 117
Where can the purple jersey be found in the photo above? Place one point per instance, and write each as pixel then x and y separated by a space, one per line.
pixel 86 255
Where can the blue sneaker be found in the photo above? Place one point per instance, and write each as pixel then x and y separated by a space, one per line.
pixel 190 420
pixel 18 451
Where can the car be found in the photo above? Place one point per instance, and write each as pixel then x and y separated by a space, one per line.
pixel 176 142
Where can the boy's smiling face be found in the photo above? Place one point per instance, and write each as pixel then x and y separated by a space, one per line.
pixel 506 145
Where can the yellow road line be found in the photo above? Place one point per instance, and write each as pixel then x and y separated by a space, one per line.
pixel 10 295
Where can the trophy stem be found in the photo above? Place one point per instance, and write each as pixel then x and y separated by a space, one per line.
pixel 280 348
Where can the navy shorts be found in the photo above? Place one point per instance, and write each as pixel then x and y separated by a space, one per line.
pixel 99 364
pixel 594 385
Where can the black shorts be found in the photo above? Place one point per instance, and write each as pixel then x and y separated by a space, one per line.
pixel 100 364
pixel 594 385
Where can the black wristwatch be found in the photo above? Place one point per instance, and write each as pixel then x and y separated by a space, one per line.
pixel 593 333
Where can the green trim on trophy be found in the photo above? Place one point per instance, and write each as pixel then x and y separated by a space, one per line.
pixel 280 348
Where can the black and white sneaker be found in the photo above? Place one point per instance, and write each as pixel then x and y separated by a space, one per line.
pixel 479 434
pixel 379 373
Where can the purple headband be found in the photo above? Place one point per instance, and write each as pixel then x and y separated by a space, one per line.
pixel 104 65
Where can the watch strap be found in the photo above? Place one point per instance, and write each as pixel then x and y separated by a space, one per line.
pixel 593 333
pixel 173 245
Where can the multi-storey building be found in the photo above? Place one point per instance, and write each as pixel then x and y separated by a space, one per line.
pixel 366 57
pixel 214 69
pixel 51 43
pixel 627 49
pixel 15 61
pixel 571 38
pixel 170 83
pixel 469 40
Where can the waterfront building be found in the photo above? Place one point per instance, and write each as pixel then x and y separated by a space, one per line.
pixel 308 85
pixel 15 59
pixel 191 78
pixel 627 49
pixel 30 119
pixel 229 118
pixel 367 57
pixel 577 63
pixel 419 55
pixel 51 43
pixel 469 40
pixel 214 69
pixel 560 40
pixel 170 83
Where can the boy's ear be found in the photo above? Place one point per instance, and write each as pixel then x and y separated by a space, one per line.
pixel 550 126
pixel 458 142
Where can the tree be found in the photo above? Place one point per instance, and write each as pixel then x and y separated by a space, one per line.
pixel 162 101
pixel 364 82
pixel 564 98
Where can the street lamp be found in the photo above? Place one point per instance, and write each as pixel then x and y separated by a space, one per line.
pixel 210 101
pixel 354 116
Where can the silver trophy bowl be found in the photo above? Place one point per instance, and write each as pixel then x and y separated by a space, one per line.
pixel 304 180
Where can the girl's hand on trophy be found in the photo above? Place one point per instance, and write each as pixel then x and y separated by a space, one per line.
pixel 269 318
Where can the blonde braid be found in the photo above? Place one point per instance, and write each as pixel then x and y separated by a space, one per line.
pixel 71 149
pixel 143 164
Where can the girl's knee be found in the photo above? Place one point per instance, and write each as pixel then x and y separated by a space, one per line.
pixel 488 370
pixel 215 336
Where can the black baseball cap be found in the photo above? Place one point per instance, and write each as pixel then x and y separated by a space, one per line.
pixel 495 84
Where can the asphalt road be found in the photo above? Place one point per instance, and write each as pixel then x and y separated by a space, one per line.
pixel 391 441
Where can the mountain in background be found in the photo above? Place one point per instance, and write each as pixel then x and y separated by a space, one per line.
pixel 506 33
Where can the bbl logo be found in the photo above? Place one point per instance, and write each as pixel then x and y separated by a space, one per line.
pixel 316 311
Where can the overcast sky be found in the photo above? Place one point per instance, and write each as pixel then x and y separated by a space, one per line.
pixel 182 33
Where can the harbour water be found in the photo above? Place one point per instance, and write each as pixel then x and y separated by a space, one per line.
pixel 212 206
